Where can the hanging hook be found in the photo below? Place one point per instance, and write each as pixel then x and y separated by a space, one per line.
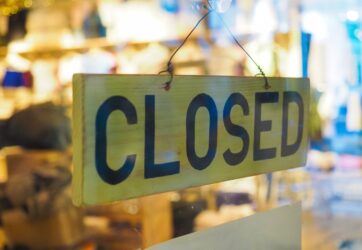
pixel 170 71
pixel 266 84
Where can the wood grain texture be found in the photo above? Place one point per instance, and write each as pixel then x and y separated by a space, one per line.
pixel 90 91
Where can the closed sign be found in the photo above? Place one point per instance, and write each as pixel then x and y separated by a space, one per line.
pixel 133 138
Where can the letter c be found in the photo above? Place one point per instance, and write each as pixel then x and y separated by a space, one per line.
pixel 107 174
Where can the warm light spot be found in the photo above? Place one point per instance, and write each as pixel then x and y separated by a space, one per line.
pixel 28 3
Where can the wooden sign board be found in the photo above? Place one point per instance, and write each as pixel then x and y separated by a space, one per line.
pixel 134 138
pixel 280 228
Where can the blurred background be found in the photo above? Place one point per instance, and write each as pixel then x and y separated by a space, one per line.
pixel 44 42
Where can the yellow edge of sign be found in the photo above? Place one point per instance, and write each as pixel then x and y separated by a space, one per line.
pixel 78 137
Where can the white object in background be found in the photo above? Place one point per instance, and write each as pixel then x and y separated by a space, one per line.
pixel 45 80
pixel 69 65
pixel 315 23
pixel 354 112
pixel 274 230
pixel 13 59
pixel 264 19
pixel 137 21
pixel 220 6
pixel 262 53
pixel 97 61
pixel 353 15
pixel 149 60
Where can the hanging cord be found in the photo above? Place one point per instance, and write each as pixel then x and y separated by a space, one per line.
pixel 210 8
pixel 170 68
